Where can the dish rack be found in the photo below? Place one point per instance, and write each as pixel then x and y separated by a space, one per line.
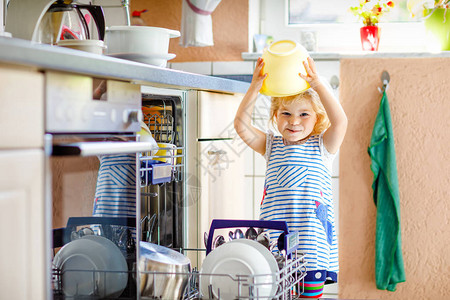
pixel 287 279
pixel 160 121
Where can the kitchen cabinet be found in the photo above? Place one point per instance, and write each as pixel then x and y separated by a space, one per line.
pixel 23 223
pixel 21 108
pixel 216 176
pixel 222 184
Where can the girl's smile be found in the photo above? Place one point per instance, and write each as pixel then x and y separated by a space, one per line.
pixel 296 120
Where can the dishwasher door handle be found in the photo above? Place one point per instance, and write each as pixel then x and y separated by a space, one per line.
pixel 101 148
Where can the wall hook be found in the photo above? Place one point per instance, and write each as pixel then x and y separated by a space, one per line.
pixel 385 78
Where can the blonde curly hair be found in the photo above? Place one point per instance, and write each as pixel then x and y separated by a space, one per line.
pixel 310 95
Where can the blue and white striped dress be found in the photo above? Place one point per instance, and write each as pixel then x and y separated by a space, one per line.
pixel 115 194
pixel 298 191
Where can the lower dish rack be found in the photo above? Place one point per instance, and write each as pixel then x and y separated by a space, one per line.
pixel 283 284
pixel 287 283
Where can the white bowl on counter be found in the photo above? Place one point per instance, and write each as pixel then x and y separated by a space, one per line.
pixel 144 44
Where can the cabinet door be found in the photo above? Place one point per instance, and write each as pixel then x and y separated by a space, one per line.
pixel 23 262
pixel 21 108
pixel 216 114
pixel 222 185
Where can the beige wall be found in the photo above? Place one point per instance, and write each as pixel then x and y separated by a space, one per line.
pixel 420 106
pixel 230 28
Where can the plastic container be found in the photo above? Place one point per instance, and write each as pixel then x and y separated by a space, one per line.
pixel 283 61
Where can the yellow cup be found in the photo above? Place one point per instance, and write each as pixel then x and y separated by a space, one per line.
pixel 283 61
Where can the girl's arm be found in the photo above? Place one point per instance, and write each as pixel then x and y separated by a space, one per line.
pixel 253 137
pixel 333 137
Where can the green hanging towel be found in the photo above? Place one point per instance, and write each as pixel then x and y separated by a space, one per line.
pixel 389 268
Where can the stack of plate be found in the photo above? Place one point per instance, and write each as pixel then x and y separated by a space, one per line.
pixel 241 257
pixel 92 266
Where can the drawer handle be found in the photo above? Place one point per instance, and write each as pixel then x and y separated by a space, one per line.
pixel 217 152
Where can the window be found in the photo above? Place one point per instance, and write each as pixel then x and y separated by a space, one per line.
pixel 302 12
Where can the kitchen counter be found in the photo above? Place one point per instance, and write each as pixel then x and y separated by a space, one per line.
pixel 47 57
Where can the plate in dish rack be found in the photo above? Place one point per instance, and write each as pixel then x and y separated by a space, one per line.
pixel 82 263
pixel 234 267
pixel 154 59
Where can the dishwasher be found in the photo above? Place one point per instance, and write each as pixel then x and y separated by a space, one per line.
pixel 88 119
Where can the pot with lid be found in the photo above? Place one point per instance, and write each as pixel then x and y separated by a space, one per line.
pixel 164 272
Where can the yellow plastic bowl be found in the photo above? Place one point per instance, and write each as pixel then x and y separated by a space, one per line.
pixel 283 61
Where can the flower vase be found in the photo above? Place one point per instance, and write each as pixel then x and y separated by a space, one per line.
pixel 370 38
pixel 438 29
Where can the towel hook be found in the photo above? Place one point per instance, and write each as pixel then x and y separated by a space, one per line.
pixel 385 78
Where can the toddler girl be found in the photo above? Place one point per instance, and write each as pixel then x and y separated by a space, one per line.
pixel 297 189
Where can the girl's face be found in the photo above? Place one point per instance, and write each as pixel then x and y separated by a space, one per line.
pixel 296 120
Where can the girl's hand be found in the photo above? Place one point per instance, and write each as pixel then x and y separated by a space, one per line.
pixel 258 76
pixel 311 73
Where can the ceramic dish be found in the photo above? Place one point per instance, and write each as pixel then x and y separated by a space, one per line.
pixel 264 251
pixel 222 266
pixel 115 281
pixel 267 255
pixel 159 60
pixel 81 262
pixel 283 61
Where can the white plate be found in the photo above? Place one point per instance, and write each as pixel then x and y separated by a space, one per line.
pixel 115 281
pixel 268 256
pixel 265 252
pixel 221 267
pixel 78 261
pixel 159 60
